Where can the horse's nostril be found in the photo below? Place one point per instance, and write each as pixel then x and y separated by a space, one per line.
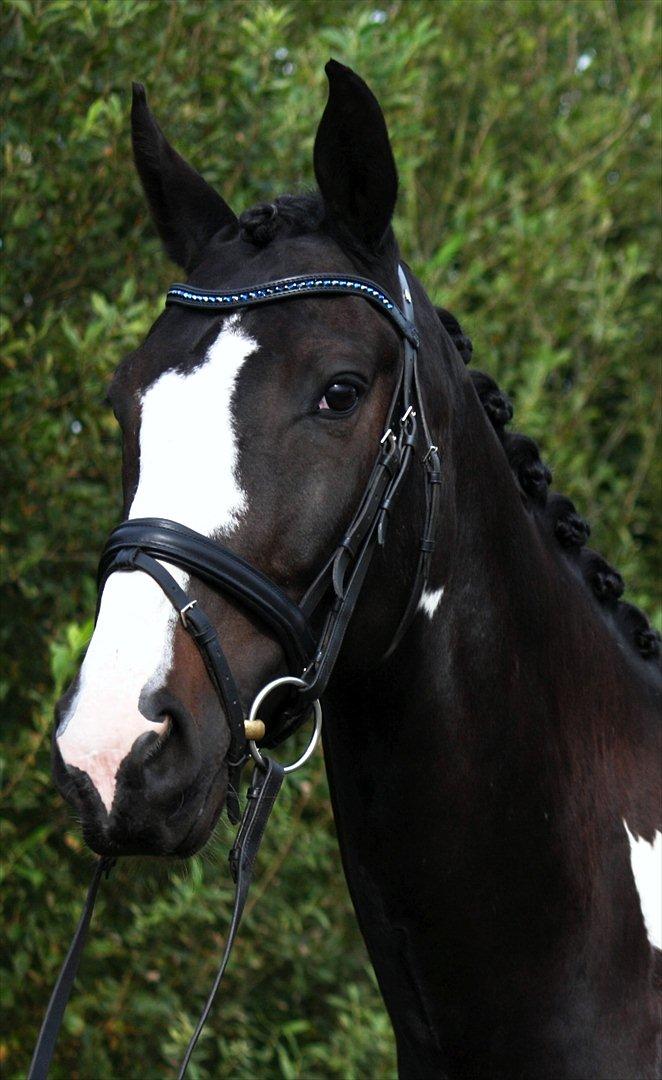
pixel 151 743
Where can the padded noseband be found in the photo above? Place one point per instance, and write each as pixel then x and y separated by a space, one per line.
pixel 222 570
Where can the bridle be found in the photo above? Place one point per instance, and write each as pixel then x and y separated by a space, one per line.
pixel 142 544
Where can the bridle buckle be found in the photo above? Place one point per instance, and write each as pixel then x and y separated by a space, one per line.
pixel 182 613
pixel 389 442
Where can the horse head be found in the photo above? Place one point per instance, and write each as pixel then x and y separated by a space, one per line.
pixel 257 428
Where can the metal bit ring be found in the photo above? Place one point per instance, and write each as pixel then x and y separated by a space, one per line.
pixel 285 680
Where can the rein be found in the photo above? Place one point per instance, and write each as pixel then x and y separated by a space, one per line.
pixel 140 544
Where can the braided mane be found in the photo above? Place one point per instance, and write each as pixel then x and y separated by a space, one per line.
pixel 291 215
pixel 557 515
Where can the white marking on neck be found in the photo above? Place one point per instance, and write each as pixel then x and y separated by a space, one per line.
pixel 188 473
pixel 430 600
pixel 646 859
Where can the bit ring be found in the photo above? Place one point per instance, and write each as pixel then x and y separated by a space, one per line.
pixel 285 680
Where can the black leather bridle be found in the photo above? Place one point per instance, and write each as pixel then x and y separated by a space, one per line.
pixel 143 544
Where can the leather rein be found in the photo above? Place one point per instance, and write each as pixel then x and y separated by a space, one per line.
pixel 140 544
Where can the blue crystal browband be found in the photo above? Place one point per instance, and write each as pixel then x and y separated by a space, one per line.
pixel 192 296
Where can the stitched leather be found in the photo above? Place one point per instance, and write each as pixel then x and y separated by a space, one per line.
pixel 262 795
pixel 204 634
pixel 222 570
pixel 50 1028
pixel 290 287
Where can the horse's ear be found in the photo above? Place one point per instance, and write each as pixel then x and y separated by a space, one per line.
pixel 353 160
pixel 186 210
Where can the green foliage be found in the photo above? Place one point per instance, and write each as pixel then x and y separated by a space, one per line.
pixel 526 136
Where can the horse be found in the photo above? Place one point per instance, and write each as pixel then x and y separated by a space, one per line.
pixel 491 729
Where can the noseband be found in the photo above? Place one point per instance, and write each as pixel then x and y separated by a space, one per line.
pixel 143 544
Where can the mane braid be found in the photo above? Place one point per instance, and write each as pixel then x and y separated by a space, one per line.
pixel 289 215
pixel 557 515
pixel 524 456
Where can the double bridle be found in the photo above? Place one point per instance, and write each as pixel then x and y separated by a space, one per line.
pixel 144 543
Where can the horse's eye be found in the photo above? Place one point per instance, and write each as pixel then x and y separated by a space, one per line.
pixel 340 397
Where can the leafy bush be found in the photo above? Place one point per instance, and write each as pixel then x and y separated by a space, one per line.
pixel 526 136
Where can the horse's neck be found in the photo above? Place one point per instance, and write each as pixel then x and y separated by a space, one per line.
pixel 462 777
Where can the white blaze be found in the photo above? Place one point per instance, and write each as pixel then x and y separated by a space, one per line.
pixel 188 463
pixel 646 862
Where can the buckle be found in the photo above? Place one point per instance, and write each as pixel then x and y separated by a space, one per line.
pixel 388 437
pixel 431 450
pixel 182 613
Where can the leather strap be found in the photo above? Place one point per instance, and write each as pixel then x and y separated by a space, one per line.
pixel 290 287
pixel 197 624
pixel 222 570
pixel 265 785
pixel 348 568
pixel 262 795
pixel 50 1028
pixel 432 466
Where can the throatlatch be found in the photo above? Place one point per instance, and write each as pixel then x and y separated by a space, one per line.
pixel 145 544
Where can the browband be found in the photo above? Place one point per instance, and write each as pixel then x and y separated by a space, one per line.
pixel 286 288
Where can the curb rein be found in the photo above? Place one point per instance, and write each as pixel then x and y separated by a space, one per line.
pixel 139 544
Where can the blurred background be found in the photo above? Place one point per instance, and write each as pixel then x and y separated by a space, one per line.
pixel 527 139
